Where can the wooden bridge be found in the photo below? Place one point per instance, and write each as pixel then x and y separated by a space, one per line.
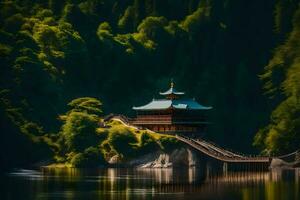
pixel 227 158
pixel 219 153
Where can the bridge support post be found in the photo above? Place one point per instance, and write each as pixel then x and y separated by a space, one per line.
pixel 225 167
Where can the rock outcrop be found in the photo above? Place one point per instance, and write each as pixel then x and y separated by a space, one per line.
pixel 178 157
pixel 281 164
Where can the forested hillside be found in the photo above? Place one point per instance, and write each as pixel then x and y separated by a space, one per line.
pixel 281 79
pixel 125 51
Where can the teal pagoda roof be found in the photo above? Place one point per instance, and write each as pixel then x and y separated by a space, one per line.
pixel 163 104
pixel 172 102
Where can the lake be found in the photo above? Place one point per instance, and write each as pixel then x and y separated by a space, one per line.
pixel 189 183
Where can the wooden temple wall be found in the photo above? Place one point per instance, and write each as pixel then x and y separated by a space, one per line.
pixel 173 128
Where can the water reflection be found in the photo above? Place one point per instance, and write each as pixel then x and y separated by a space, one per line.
pixel 190 183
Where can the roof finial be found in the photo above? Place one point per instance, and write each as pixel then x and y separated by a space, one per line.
pixel 172 83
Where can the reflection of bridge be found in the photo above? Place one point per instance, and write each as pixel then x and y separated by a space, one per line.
pixel 228 158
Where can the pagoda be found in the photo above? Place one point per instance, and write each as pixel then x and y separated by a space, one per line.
pixel 172 114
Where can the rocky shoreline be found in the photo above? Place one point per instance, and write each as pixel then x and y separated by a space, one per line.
pixel 178 157
pixel 181 157
pixel 277 163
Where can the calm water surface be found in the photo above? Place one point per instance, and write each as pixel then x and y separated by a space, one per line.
pixel 172 184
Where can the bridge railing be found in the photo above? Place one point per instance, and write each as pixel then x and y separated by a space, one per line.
pixel 125 119
pixel 233 154
pixel 229 153
pixel 218 150
pixel 294 156
pixel 219 154
pixel 199 147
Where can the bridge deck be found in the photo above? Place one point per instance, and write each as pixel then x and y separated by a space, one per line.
pixel 219 153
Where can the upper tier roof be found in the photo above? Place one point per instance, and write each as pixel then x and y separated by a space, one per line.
pixel 181 104
pixel 171 91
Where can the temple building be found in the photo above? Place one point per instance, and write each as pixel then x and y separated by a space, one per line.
pixel 172 114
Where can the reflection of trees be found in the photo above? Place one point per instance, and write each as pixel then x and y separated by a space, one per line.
pixel 281 186
pixel 151 183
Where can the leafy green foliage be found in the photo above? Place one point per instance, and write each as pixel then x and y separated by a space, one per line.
pixel 104 31
pixel 87 105
pixel 79 131
pixel 169 143
pixel 193 22
pixel 281 78
pixel 125 22
pixel 91 157
pixel 148 142
pixel 152 27
pixel 78 139
pixel 122 141
pixel 129 143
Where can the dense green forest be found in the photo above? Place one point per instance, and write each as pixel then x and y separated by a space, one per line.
pixel 241 57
